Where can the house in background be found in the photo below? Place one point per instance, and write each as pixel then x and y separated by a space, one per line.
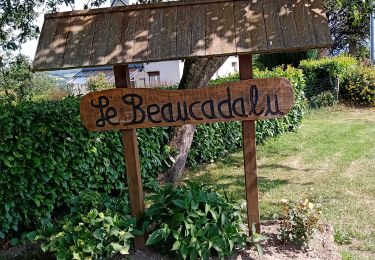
pixel 78 83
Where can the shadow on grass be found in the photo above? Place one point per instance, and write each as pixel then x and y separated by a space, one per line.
pixel 266 184
pixel 283 167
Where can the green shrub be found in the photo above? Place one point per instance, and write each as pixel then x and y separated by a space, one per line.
pixel 300 220
pixel 359 88
pixel 194 221
pixel 92 236
pixel 324 99
pixel 98 82
pixel 47 158
pixel 336 67
pixel 89 200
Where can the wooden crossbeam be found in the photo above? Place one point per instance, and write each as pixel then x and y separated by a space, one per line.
pixel 179 30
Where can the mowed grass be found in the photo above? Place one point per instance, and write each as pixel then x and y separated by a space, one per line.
pixel 330 160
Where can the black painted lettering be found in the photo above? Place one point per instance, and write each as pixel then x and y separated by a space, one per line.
pixel 226 102
pixel 254 101
pixel 167 116
pixel 242 112
pixel 191 110
pixel 135 101
pixel 277 106
pixel 151 113
pixel 181 116
pixel 212 109
pixel 269 109
pixel 107 115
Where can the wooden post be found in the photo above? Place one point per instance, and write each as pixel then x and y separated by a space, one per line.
pixel 249 154
pixel 131 153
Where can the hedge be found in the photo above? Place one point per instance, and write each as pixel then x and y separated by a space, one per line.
pixel 334 67
pixel 47 157
pixel 359 86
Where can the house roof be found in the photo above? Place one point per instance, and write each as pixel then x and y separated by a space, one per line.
pixel 179 30
pixel 113 2
pixel 84 74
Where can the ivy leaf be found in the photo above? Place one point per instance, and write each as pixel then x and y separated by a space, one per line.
pixel 176 246
pixel 14 241
pixel 116 247
pixel 31 235
pixel 155 237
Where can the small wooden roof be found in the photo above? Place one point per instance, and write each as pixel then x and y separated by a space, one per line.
pixel 179 30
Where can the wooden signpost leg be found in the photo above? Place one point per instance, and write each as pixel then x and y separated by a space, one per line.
pixel 133 167
pixel 249 154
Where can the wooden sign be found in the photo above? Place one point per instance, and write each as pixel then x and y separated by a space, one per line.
pixel 141 108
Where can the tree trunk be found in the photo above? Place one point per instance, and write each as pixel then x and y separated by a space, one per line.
pixel 197 73
pixel 353 48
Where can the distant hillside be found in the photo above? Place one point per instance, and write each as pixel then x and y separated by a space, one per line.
pixel 64 75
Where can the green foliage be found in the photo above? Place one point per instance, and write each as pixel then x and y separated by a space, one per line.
pixel 214 141
pixel 300 220
pixel 359 87
pixel 93 235
pixel 48 158
pixel 256 240
pixel 336 67
pixel 88 200
pixel 194 221
pixel 98 82
pixel 323 99
pixel 341 238
pixel 349 23
pixel 270 61
pixel 16 79
pixel 18 83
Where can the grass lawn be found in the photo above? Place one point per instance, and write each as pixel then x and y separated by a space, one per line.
pixel 330 160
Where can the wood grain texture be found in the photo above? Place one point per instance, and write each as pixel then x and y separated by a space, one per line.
pixel 304 23
pixel 179 30
pixel 289 28
pixel 220 33
pixel 250 28
pixel 44 52
pixel 249 154
pixel 141 108
pixel 81 29
pixel 134 36
pixel 114 45
pixel 57 46
pixel 131 156
pixel 191 31
pixel 274 35
pixel 99 40
pixel 319 19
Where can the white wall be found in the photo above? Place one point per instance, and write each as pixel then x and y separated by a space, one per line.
pixel 170 71
pixel 227 68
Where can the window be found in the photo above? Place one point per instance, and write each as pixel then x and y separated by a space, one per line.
pixel 132 83
pixel 234 66
pixel 141 82
pixel 153 77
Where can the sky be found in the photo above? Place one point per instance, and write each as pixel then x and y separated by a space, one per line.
pixel 29 47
